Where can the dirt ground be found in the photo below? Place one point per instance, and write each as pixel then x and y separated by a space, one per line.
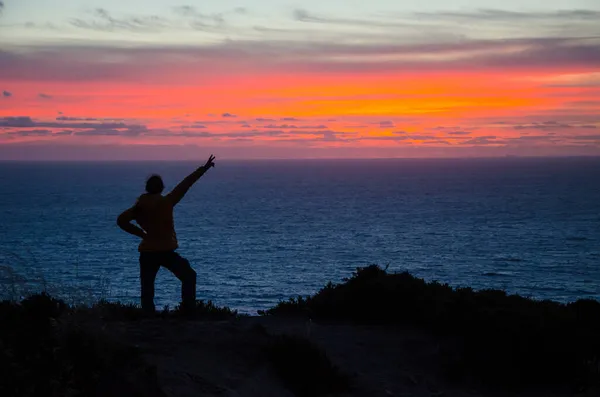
pixel 227 358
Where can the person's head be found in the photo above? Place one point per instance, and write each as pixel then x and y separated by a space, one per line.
pixel 154 184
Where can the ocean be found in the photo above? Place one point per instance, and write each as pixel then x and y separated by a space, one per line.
pixel 257 232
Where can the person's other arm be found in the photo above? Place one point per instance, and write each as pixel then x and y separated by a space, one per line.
pixel 124 221
pixel 182 188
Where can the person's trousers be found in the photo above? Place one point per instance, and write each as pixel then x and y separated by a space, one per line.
pixel 150 263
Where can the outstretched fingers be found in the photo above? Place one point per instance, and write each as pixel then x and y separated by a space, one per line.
pixel 210 162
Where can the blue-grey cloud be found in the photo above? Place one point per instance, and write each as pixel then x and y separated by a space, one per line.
pixel 303 15
pixel 482 140
pixel 206 22
pixel 83 126
pixel 228 115
pixel 6 94
pixel 459 132
pixel 182 17
pixel 28 122
pixel 37 133
pixel 27 133
pixel 109 132
pixel 78 63
pixel 65 118
pixel 529 140
pixel 314 127
pixel 282 126
pixel 195 125
pixel 311 137
pixel 421 137
pixel 502 15
pixel 386 124
pixel 102 20
pixel 584 103
pixel 384 138
pixel 185 11
pixel 437 19
pixel 448 25
pixel 550 125
pixel 44 96
pixel 595 138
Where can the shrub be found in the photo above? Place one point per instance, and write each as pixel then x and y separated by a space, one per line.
pixel 42 356
pixel 46 348
pixel 506 340
pixel 207 310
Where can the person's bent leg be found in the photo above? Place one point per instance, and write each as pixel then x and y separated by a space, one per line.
pixel 148 268
pixel 183 271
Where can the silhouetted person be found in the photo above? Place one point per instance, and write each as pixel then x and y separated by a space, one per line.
pixel 153 212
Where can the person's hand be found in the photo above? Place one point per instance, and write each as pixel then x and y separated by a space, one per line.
pixel 210 162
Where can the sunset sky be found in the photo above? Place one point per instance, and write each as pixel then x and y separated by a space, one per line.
pixel 149 79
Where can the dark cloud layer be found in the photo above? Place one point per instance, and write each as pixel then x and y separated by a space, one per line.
pixel 28 122
pixel 386 124
pixel 65 118
pixel 550 125
pixel 195 125
pixel 459 132
pixel 482 140
pixel 87 63
pixel 84 126
pixel 27 133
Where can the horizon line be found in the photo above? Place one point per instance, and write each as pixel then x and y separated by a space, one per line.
pixel 505 157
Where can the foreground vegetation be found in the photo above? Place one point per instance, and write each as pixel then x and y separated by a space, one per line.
pixel 503 340
pixel 50 348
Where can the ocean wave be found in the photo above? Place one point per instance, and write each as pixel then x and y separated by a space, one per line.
pixel 498 274
pixel 577 238
pixel 509 259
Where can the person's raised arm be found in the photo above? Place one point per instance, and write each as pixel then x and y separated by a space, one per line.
pixel 124 222
pixel 181 189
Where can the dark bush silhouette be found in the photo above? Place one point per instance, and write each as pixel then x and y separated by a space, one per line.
pixel 304 367
pixel 505 340
pixel 207 310
pixel 47 350
pixel 41 356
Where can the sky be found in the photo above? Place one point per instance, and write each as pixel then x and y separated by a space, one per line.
pixel 161 80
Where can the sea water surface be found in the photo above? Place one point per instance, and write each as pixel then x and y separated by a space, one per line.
pixel 257 232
